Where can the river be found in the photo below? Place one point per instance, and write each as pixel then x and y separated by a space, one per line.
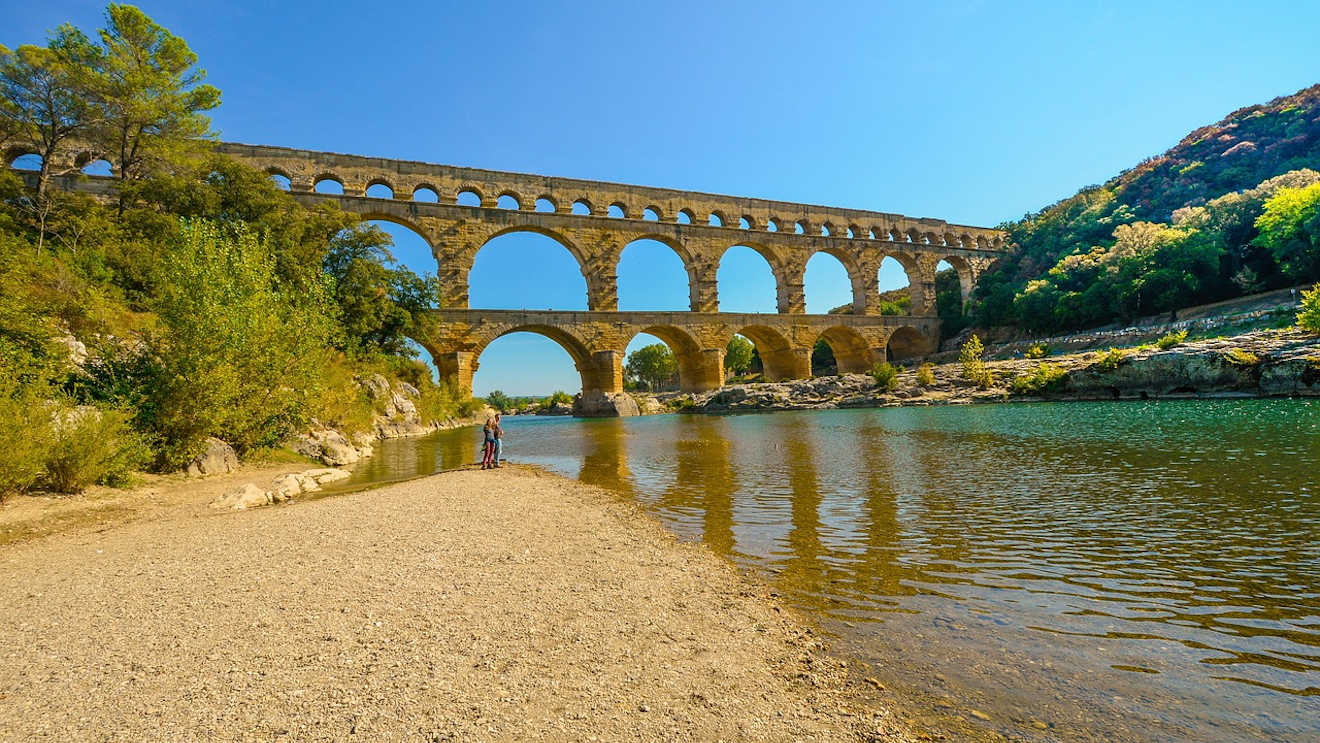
pixel 1055 571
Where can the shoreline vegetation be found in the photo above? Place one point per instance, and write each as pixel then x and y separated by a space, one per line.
pixel 458 607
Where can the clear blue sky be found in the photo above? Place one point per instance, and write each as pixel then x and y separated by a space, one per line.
pixel 974 112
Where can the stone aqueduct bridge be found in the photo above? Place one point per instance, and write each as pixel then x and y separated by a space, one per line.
pixel 595 221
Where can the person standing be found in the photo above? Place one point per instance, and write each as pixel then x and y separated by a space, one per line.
pixel 488 445
pixel 499 442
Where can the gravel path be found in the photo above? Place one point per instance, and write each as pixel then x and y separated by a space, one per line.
pixel 465 606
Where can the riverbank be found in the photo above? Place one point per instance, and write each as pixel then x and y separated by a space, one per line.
pixel 464 606
pixel 1265 363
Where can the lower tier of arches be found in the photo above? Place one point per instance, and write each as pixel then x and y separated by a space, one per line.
pixel 597 343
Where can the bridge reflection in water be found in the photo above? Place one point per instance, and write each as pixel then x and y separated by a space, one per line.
pixel 1019 559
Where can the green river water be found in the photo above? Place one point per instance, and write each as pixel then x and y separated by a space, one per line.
pixel 1144 571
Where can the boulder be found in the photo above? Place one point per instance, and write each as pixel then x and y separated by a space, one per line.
pixel 328 445
pixel 328 474
pixel 290 485
pixel 217 458
pixel 243 497
pixel 378 387
pixel 604 405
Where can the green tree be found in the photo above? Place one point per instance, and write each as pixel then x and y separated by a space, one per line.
pixel 240 356
pixel 1309 316
pixel 1290 230
pixel 500 401
pixel 652 365
pixel 152 97
pixel 738 355
pixel 377 298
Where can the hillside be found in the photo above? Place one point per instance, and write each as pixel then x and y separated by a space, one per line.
pixel 1175 230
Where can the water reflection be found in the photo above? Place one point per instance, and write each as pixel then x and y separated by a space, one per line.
pixel 1082 572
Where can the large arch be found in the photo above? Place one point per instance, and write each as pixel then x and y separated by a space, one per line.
pixel 852 352
pixel 658 267
pixel 532 279
pixel 829 292
pixel 573 346
pixel 744 295
pixel 888 280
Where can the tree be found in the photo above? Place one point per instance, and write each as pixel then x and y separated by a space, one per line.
pixel 738 355
pixel 1309 316
pixel 45 102
pixel 500 401
pixel 1290 230
pixel 151 95
pixel 653 365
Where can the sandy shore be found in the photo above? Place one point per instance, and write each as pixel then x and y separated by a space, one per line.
pixel 473 605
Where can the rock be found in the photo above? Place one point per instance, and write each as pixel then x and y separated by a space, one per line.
pixel 290 485
pixel 328 445
pixel 604 405
pixel 76 348
pixel 409 390
pixel 217 459
pixel 378 387
pixel 328 474
pixel 243 497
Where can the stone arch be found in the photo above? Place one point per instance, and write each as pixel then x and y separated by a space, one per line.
pixel 717 218
pixel 384 216
pixel 468 189
pixel 691 269
pixel 585 203
pixel 856 275
pixel 548 199
pixel 912 270
pixel 907 342
pixel 378 181
pixel 698 370
pixel 92 167
pixel 780 360
pixel 328 177
pixel 518 202
pixel 966 277
pixel 568 244
pixel 782 282
pixel 687 214
pixel 617 210
pixel 655 215
pixel 851 349
pixel 425 186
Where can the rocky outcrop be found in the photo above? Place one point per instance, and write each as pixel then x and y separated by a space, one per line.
pixel 283 488
pixel 217 458
pixel 329 446
pixel 604 405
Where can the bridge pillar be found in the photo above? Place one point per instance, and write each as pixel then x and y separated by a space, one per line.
pixel 866 289
pixel 603 292
pixel 705 293
pixel 602 387
pixel 701 370
pixel 457 369
pixel 792 298
pixel 786 363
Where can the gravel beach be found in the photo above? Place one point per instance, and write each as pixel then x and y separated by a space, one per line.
pixel 508 605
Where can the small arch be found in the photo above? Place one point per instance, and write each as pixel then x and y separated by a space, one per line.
pixel 851 233
pixel 716 219
pixel 508 200
pixel 281 181
pixel 546 204
pixel 746 223
pixel 328 184
pixel 825 229
pixel 582 208
pixel 870 234
pixel 651 214
pixel 905 343
pixel 800 227
pixel 684 216
pixel 379 189
pixel 99 168
pixel 426 194
pixel 772 224
pixel 617 210
pixel 468 196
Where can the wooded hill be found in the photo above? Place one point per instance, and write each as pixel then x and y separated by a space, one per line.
pixel 1230 210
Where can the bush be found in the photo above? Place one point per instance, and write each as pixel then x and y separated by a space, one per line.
pixel 1309 316
pixel 1110 360
pixel 559 397
pixel 1038 350
pixel 886 376
pixel 1240 357
pixel 25 435
pixel 1043 378
pixel 242 356
pixel 973 366
pixel 1169 340
pixel 92 446
pixel 926 374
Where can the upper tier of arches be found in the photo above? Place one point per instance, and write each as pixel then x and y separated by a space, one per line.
pixel 525 192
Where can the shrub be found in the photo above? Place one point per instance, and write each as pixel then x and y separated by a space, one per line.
pixel 1169 340
pixel 973 365
pixel 1045 377
pixel 1111 359
pixel 559 397
pixel 1038 350
pixel 92 446
pixel 1240 357
pixel 1309 316
pixel 25 435
pixel 926 374
pixel 242 356
pixel 886 376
